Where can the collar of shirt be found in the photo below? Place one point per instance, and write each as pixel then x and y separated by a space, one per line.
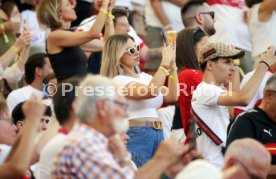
pixel 89 132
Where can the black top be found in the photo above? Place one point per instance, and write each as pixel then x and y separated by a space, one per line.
pixel 177 122
pixel 71 61
pixel 255 124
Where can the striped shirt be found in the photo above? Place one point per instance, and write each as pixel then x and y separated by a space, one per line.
pixel 86 155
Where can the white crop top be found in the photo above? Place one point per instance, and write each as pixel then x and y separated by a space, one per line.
pixel 141 108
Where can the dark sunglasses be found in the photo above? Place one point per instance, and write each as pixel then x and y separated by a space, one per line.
pixel 132 50
pixel 211 13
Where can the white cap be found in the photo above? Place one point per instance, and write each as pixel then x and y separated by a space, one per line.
pixel 199 169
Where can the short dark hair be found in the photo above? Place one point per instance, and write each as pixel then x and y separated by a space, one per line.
pixel 185 43
pixel 63 101
pixel 203 66
pixel 34 61
pixel 118 12
pixel 18 115
pixel 251 3
pixel 186 18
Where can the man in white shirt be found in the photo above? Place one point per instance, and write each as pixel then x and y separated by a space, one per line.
pixel 66 116
pixel 36 69
pixel 197 13
pixel 210 99
pixel 262 25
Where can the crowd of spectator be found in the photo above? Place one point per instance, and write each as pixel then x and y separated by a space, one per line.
pixel 138 89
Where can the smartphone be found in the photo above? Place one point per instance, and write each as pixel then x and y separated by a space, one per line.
pixel 164 36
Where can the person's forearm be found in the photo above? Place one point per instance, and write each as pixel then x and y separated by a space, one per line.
pixel 97 27
pixel 23 58
pixel 94 45
pixel 159 11
pixel 25 145
pixel 8 57
pixel 109 28
pixel 152 169
pixel 250 88
pixel 173 88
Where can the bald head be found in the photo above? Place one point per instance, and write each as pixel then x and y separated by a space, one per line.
pixel 250 154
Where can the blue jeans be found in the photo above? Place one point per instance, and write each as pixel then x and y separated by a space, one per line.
pixel 143 143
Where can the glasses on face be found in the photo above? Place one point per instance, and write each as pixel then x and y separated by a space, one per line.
pixel 211 13
pixel 121 104
pixel 133 50
pixel 251 175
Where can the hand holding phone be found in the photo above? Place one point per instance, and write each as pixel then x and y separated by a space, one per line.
pixel 164 36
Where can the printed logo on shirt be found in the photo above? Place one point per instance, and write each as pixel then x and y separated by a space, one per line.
pixel 268 132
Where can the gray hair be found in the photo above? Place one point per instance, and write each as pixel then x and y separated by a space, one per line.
pixel 92 89
pixel 271 83
pixel 247 149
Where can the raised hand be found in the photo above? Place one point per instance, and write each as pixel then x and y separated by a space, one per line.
pixel 25 39
pixel 168 54
pixel 269 56
pixel 34 109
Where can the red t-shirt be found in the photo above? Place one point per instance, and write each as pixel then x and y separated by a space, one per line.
pixel 188 81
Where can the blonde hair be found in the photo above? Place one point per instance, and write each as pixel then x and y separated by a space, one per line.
pixel 48 13
pixel 112 54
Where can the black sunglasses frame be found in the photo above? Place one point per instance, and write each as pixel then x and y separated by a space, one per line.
pixel 211 13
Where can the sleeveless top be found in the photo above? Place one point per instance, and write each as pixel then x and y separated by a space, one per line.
pixel 70 62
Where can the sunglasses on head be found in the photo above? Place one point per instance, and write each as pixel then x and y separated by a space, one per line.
pixel 132 50
pixel 211 13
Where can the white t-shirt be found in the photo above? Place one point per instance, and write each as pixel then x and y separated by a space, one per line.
pixel 259 94
pixel 230 26
pixel 22 94
pixel 204 103
pixel 124 3
pixel 141 108
pixel 172 12
pixel 140 2
pixel 263 34
pixel 4 152
pixel 38 35
pixel 47 156
pixel 13 74
pixel 87 23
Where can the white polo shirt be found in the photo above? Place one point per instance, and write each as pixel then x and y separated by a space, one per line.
pixel 204 103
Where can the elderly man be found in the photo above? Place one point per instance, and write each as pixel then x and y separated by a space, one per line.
pixel 259 123
pixel 93 150
pixel 245 158
pixel 210 99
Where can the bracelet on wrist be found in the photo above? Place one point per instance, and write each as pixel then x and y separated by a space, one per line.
pixel 174 78
pixel 104 11
pixel 107 13
pixel 15 49
pixel 164 70
pixel 265 64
